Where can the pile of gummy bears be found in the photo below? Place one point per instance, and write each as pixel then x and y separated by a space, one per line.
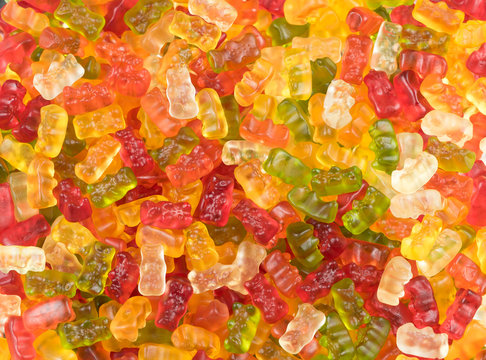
pixel 243 179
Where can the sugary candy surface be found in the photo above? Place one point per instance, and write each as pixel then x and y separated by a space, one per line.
pixel 242 179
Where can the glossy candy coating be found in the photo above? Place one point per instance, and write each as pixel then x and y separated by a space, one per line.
pixel 242 179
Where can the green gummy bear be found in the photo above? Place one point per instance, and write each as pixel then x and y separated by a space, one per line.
pixel 233 231
pixel 112 188
pixel 97 264
pixel 72 146
pixel 91 67
pixel 372 338
pixel 304 245
pixel 282 32
pixel 232 113
pixel 383 12
pixel 336 181
pixel 3 172
pixel 150 333
pixel 336 338
pixel 365 212
pixel 288 168
pixel 183 143
pixel 50 283
pixel 385 146
pixel 307 201
pixel 372 237
pixel 450 156
pixel 80 19
pixel 145 13
pixel 84 332
pixel 323 72
pixel 85 311
pixel 349 304
pixel 242 328
pixel 293 115
pixel 373 4
pixel 424 39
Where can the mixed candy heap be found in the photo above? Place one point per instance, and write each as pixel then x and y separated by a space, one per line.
pixel 242 179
